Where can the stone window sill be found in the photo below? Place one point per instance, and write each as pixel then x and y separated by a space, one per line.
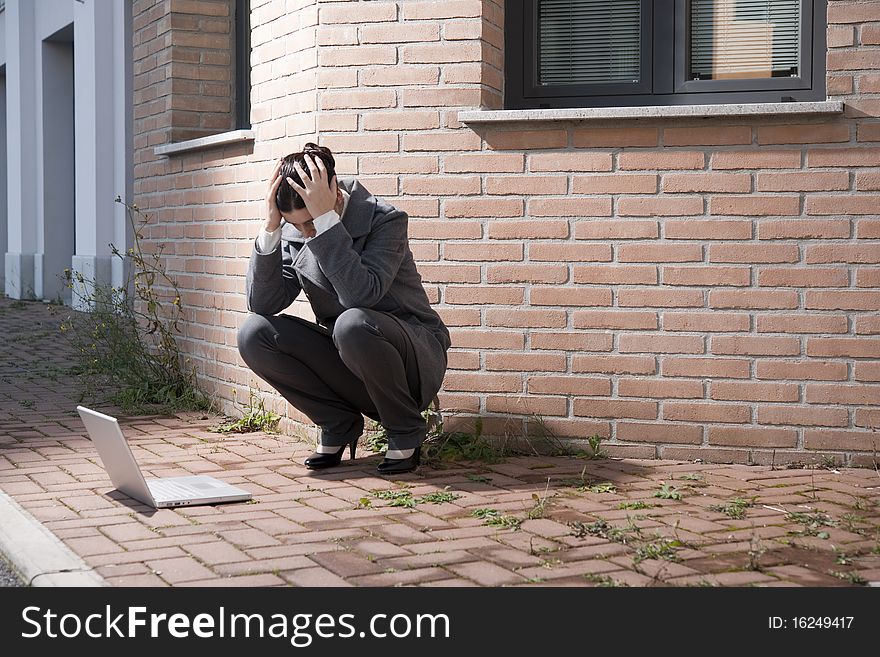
pixel 232 137
pixel 477 117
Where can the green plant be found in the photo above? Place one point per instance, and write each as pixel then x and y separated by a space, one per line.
pixel 639 504
pixel 663 548
pixel 812 522
pixel 693 477
pixel 604 580
pixel 850 576
pixel 596 451
pixel 600 528
pixel 735 509
pixel 396 497
pixel 480 479
pixel 439 497
pixel 841 558
pixel 254 418
pixel 27 403
pixel 494 518
pixel 756 551
pixel 540 506
pixel 668 492
pixel 126 342
pixel 604 487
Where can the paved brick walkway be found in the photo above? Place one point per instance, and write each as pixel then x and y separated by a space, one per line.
pixel 525 521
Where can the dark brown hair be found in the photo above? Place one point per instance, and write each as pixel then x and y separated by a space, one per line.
pixel 286 198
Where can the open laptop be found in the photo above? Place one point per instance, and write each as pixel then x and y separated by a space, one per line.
pixel 159 493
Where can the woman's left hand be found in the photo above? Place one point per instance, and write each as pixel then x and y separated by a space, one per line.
pixel 318 193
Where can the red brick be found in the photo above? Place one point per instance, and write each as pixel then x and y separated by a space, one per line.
pixel 664 432
pixel 752 391
pixel 755 346
pixel 527 274
pixel 805 181
pixel 856 441
pixel 530 184
pixel 801 323
pixel 661 344
pixel 484 207
pixel 707 322
pixel 630 160
pixel 699 276
pixel 571 341
pixel 615 137
pixel 483 382
pixel 808 133
pixel 836 205
pixel 729 368
pixel 530 230
pixel 615 319
pixel 756 159
pixel 558 252
pixel 519 318
pixel 659 298
pixel 614 364
pixel 707 136
pixel 691 411
pixel 570 207
pixel 481 251
pixel 707 182
pixel 488 339
pixel 655 252
pixel 525 362
pixel 613 408
pixel 618 183
pixel 659 206
pixel 854 347
pixel 660 388
pixel 750 298
pixel 801 370
pixel 525 139
pixel 569 296
pixel 614 274
pixel 752 437
pixel 484 295
pixel 753 253
pixel 754 205
pixel 523 405
pixel 616 229
pixel 569 385
pixel 803 416
pixel 568 162
pixel 841 300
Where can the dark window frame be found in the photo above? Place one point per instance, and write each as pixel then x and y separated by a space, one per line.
pixel 665 41
pixel 242 64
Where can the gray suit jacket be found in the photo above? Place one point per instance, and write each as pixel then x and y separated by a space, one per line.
pixel 362 262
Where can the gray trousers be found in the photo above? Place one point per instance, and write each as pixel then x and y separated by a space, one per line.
pixel 366 366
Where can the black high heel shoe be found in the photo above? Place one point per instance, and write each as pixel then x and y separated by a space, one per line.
pixel 398 466
pixel 318 461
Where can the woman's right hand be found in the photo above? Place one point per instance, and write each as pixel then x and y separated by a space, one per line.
pixel 273 218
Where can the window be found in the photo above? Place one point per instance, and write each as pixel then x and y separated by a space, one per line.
pixel 601 53
pixel 242 64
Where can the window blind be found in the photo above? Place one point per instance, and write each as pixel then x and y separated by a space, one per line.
pixel 744 38
pixel 588 41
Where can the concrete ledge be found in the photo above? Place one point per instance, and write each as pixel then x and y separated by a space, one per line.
pixel 650 112
pixel 37 554
pixel 223 138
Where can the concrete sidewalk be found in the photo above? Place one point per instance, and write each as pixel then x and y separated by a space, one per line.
pixel 527 521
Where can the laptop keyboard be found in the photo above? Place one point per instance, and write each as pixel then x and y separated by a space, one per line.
pixel 169 489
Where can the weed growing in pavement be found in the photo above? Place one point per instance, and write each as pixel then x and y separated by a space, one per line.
pixel 603 580
pixel 439 497
pixel 596 451
pixel 662 548
pixel 396 497
pixel 735 509
pixel 127 341
pixel 850 576
pixel 494 518
pixel 639 504
pixel 756 551
pixel 693 477
pixel 812 522
pixel 604 487
pixel 668 492
pixel 478 478
pixel 255 417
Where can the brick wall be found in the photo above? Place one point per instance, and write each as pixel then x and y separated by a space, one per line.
pixel 701 288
